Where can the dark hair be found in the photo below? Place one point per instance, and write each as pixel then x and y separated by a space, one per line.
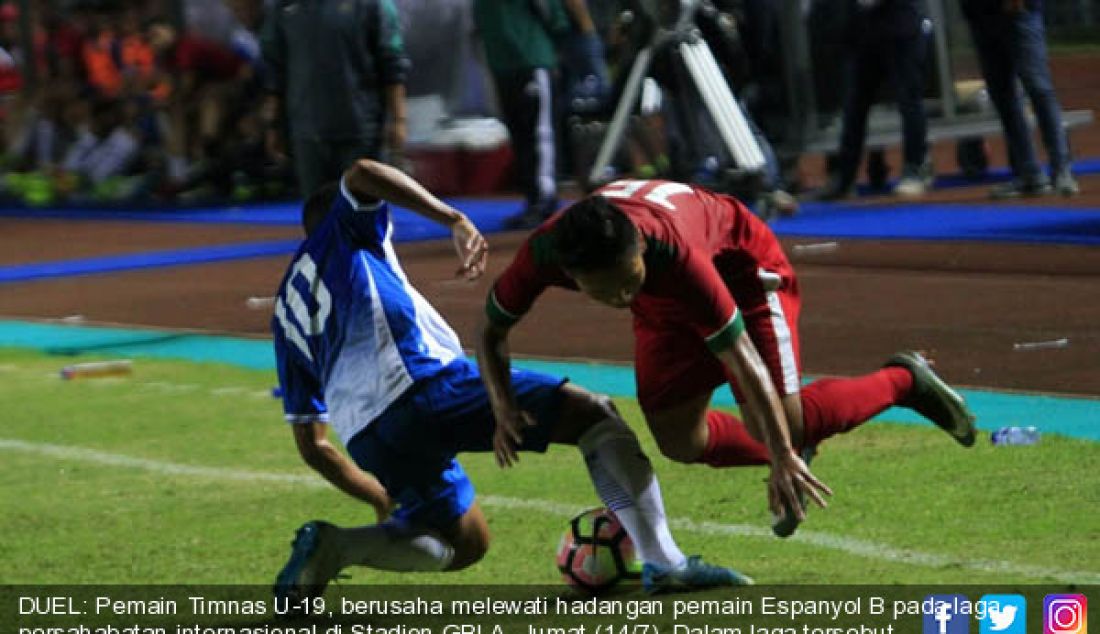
pixel 593 234
pixel 318 205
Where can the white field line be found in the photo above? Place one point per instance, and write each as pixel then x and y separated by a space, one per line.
pixel 849 545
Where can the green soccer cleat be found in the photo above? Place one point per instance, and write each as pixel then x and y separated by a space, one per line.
pixel 311 566
pixel 693 574
pixel 934 399
pixel 786 524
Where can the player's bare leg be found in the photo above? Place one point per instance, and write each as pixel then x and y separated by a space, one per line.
pixel 681 430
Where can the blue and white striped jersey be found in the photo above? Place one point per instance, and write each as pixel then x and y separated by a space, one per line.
pixel 351 334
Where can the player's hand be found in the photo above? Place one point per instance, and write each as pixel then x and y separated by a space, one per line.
pixel 472 249
pixel 509 435
pixel 789 477
pixel 383 507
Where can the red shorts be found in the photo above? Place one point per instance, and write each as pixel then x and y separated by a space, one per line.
pixel 673 364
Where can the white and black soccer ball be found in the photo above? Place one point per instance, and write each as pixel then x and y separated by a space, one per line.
pixel 595 553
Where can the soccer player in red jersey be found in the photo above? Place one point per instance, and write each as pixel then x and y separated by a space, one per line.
pixel 715 301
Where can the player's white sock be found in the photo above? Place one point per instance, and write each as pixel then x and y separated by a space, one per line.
pixel 392 545
pixel 624 480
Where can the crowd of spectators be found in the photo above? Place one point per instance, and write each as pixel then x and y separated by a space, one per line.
pixel 114 102
pixel 120 105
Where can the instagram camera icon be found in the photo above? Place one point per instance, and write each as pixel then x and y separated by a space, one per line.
pixel 1065 614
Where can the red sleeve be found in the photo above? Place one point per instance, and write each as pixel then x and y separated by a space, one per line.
pixel 708 306
pixel 184 57
pixel 523 281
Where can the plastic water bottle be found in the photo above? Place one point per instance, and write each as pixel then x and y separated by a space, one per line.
pixel 1016 436
pixel 96 369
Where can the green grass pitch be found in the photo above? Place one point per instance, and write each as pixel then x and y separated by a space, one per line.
pixel 119 481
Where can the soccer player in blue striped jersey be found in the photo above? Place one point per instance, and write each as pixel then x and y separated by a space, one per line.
pixel 360 350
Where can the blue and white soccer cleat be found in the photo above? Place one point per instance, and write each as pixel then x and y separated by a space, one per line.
pixel 693 574
pixel 311 566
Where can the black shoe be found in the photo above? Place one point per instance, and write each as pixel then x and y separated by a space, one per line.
pixel 935 400
pixel 785 525
pixel 531 217
pixel 312 565
pixel 834 190
pixel 1026 188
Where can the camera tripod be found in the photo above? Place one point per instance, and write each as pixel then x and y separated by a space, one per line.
pixel 673 26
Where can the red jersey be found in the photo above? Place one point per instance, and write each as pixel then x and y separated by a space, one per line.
pixel 209 59
pixel 698 245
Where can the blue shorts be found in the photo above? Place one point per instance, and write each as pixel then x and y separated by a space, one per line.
pixel 411 447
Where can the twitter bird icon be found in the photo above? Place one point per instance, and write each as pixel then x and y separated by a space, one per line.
pixel 1004 614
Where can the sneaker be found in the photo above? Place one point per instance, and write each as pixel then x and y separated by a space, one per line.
pixel 786 524
pixel 1065 184
pixel 311 566
pixel 935 400
pixel 694 574
pixel 782 203
pixel 915 181
pixel 1030 187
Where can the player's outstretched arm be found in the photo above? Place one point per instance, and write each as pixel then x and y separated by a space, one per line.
pixel 763 413
pixel 494 362
pixel 326 459
pixel 370 180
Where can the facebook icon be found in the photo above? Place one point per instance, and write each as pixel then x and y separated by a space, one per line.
pixel 946 614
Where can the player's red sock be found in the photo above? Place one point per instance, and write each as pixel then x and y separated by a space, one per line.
pixel 829 407
pixel 729 443
pixel 833 406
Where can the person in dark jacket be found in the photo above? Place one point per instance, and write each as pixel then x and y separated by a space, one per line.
pixel 337 70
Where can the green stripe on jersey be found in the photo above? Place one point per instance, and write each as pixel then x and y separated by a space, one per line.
pixel 724 338
pixel 497 315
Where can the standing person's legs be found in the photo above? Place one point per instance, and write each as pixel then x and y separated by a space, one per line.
pixel 865 69
pixel 321 161
pixel 992 39
pixel 908 66
pixel 526 101
pixel 546 184
pixel 510 97
pixel 1034 69
pixel 310 164
pixel 351 150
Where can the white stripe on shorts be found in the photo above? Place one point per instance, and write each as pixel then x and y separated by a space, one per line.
pixel 788 364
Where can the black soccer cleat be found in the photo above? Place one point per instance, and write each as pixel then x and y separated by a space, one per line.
pixel 312 565
pixel 935 400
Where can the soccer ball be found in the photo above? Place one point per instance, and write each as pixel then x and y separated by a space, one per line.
pixel 596 553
